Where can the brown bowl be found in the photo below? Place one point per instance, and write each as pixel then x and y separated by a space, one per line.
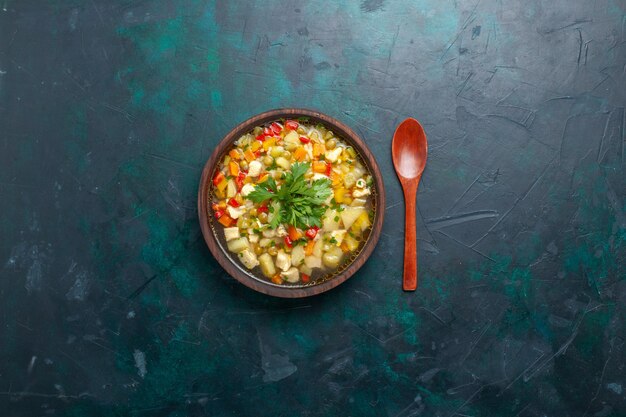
pixel 217 244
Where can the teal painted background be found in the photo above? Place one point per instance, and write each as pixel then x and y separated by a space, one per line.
pixel 111 304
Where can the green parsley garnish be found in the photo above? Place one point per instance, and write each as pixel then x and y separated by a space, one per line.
pixel 297 202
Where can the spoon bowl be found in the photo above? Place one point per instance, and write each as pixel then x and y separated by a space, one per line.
pixel 409 151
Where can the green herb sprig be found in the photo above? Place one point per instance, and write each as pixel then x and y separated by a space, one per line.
pixel 297 201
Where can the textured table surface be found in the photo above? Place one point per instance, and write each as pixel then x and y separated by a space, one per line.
pixel 111 304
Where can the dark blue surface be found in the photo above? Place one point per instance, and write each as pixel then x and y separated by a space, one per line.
pixel 111 304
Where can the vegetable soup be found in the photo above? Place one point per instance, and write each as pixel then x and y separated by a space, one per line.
pixel 294 202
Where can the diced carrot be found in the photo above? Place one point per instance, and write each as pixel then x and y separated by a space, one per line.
pixel 294 233
pixel 344 247
pixel 269 142
pixel 308 249
pixel 299 154
pixel 263 177
pixel 318 149
pixel 276 279
pixel 225 220
pixel 234 154
pixel 319 166
pixel 249 155
pixel 233 167
pixel 256 145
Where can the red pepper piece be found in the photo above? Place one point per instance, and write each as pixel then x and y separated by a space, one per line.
pixel 267 131
pixel 233 202
pixel 219 213
pixel 276 128
pixel 262 209
pixel 304 139
pixel 291 124
pixel 305 278
pixel 239 180
pixel 329 168
pixel 218 178
pixel 311 233
pixel 261 138
pixel 288 241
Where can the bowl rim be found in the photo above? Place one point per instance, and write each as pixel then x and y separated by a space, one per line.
pixel 219 252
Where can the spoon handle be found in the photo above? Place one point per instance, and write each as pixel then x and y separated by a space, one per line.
pixel 409 282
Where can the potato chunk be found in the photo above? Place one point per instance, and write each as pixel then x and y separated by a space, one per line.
pixel 350 214
pixel 255 168
pixel 283 261
pixel 297 255
pixel 238 245
pixel 249 259
pixel 267 265
pixel 231 233
pixel 333 257
pixel 291 275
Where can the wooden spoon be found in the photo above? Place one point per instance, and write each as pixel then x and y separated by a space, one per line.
pixel 409 150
